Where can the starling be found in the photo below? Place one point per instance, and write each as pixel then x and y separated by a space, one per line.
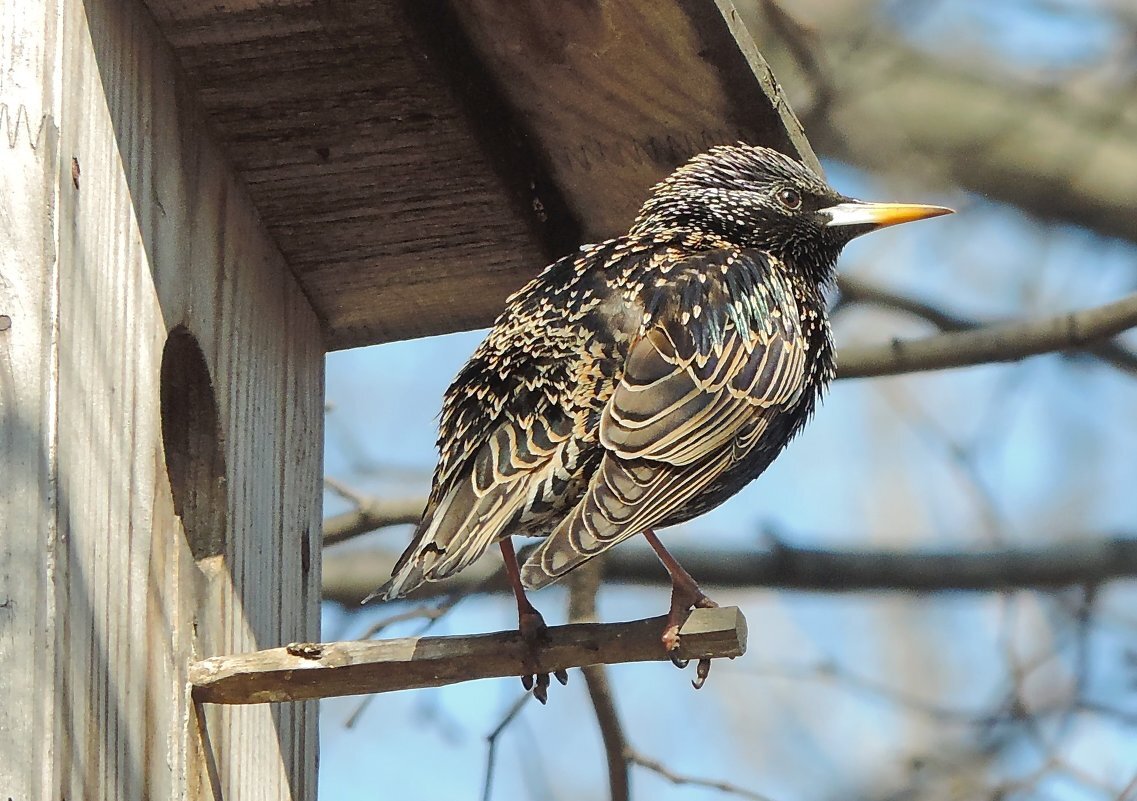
pixel 644 380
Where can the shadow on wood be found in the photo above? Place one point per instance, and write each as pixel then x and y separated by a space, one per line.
pixel 302 671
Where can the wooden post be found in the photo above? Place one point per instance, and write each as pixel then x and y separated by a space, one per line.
pixel 161 413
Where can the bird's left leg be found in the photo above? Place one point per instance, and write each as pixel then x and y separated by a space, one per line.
pixel 531 625
pixel 685 596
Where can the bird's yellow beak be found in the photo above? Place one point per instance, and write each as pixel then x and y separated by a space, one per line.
pixel 879 215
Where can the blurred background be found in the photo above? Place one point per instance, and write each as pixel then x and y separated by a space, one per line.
pixel 1021 114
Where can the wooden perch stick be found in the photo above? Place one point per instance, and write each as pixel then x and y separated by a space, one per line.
pixel 302 671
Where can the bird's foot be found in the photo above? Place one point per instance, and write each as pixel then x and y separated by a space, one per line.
pixel 683 600
pixel 534 633
pixel 685 596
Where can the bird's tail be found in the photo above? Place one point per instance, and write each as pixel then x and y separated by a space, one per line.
pixel 452 535
pixel 402 581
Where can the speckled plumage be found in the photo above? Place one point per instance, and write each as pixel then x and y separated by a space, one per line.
pixel 642 381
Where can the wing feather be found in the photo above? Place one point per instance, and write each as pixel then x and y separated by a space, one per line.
pixel 687 408
pixel 482 505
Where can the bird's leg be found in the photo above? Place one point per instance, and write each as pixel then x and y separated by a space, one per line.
pixel 531 626
pixel 685 596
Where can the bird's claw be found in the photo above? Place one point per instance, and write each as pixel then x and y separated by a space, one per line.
pixel 532 628
pixel 673 655
pixel 541 688
pixel 701 672
pixel 538 683
pixel 670 639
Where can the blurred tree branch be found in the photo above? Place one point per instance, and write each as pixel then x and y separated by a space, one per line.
pixel 583 588
pixel 584 584
pixel 369 514
pixel 492 740
pixel 992 343
pixel 867 98
pixel 655 766
pixel 351 575
pixel 856 291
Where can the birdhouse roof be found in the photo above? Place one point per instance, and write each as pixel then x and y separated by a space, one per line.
pixel 418 160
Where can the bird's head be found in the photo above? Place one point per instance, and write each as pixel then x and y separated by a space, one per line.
pixel 755 197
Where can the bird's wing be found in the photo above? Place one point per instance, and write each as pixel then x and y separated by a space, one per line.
pixel 689 405
pixel 504 432
pixel 505 473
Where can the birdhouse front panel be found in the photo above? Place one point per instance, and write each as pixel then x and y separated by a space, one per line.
pixel 179 382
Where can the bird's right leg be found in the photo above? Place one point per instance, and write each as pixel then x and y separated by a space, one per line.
pixel 685 596
pixel 530 624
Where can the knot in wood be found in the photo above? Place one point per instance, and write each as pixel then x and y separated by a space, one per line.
pixel 305 650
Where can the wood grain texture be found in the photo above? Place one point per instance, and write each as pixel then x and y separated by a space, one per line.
pixel 362 163
pixel 28 166
pixel 417 160
pixel 621 93
pixel 324 670
pixel 127 224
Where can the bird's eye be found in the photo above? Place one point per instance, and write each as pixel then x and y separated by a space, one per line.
pixel 790 198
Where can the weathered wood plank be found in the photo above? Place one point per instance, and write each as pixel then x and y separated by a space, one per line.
pixel 417 160
pixel 620 93
pixel 29 161
pixel 324 670
pixel 185 385
pixel 362 162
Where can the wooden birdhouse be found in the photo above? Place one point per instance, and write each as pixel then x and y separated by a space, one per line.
pixel 197 202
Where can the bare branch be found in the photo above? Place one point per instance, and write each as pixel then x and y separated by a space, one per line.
pixel 371 514
pixel 657 767
pixel 856 291
pixel 1129 791
pixel 585 584
pixel 302 671
pixel 431 614
pixel 995 343
pixel 350 494
pixel 1084 560
pixel 492 739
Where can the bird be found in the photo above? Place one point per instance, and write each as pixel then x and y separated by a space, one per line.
pixel 642 381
